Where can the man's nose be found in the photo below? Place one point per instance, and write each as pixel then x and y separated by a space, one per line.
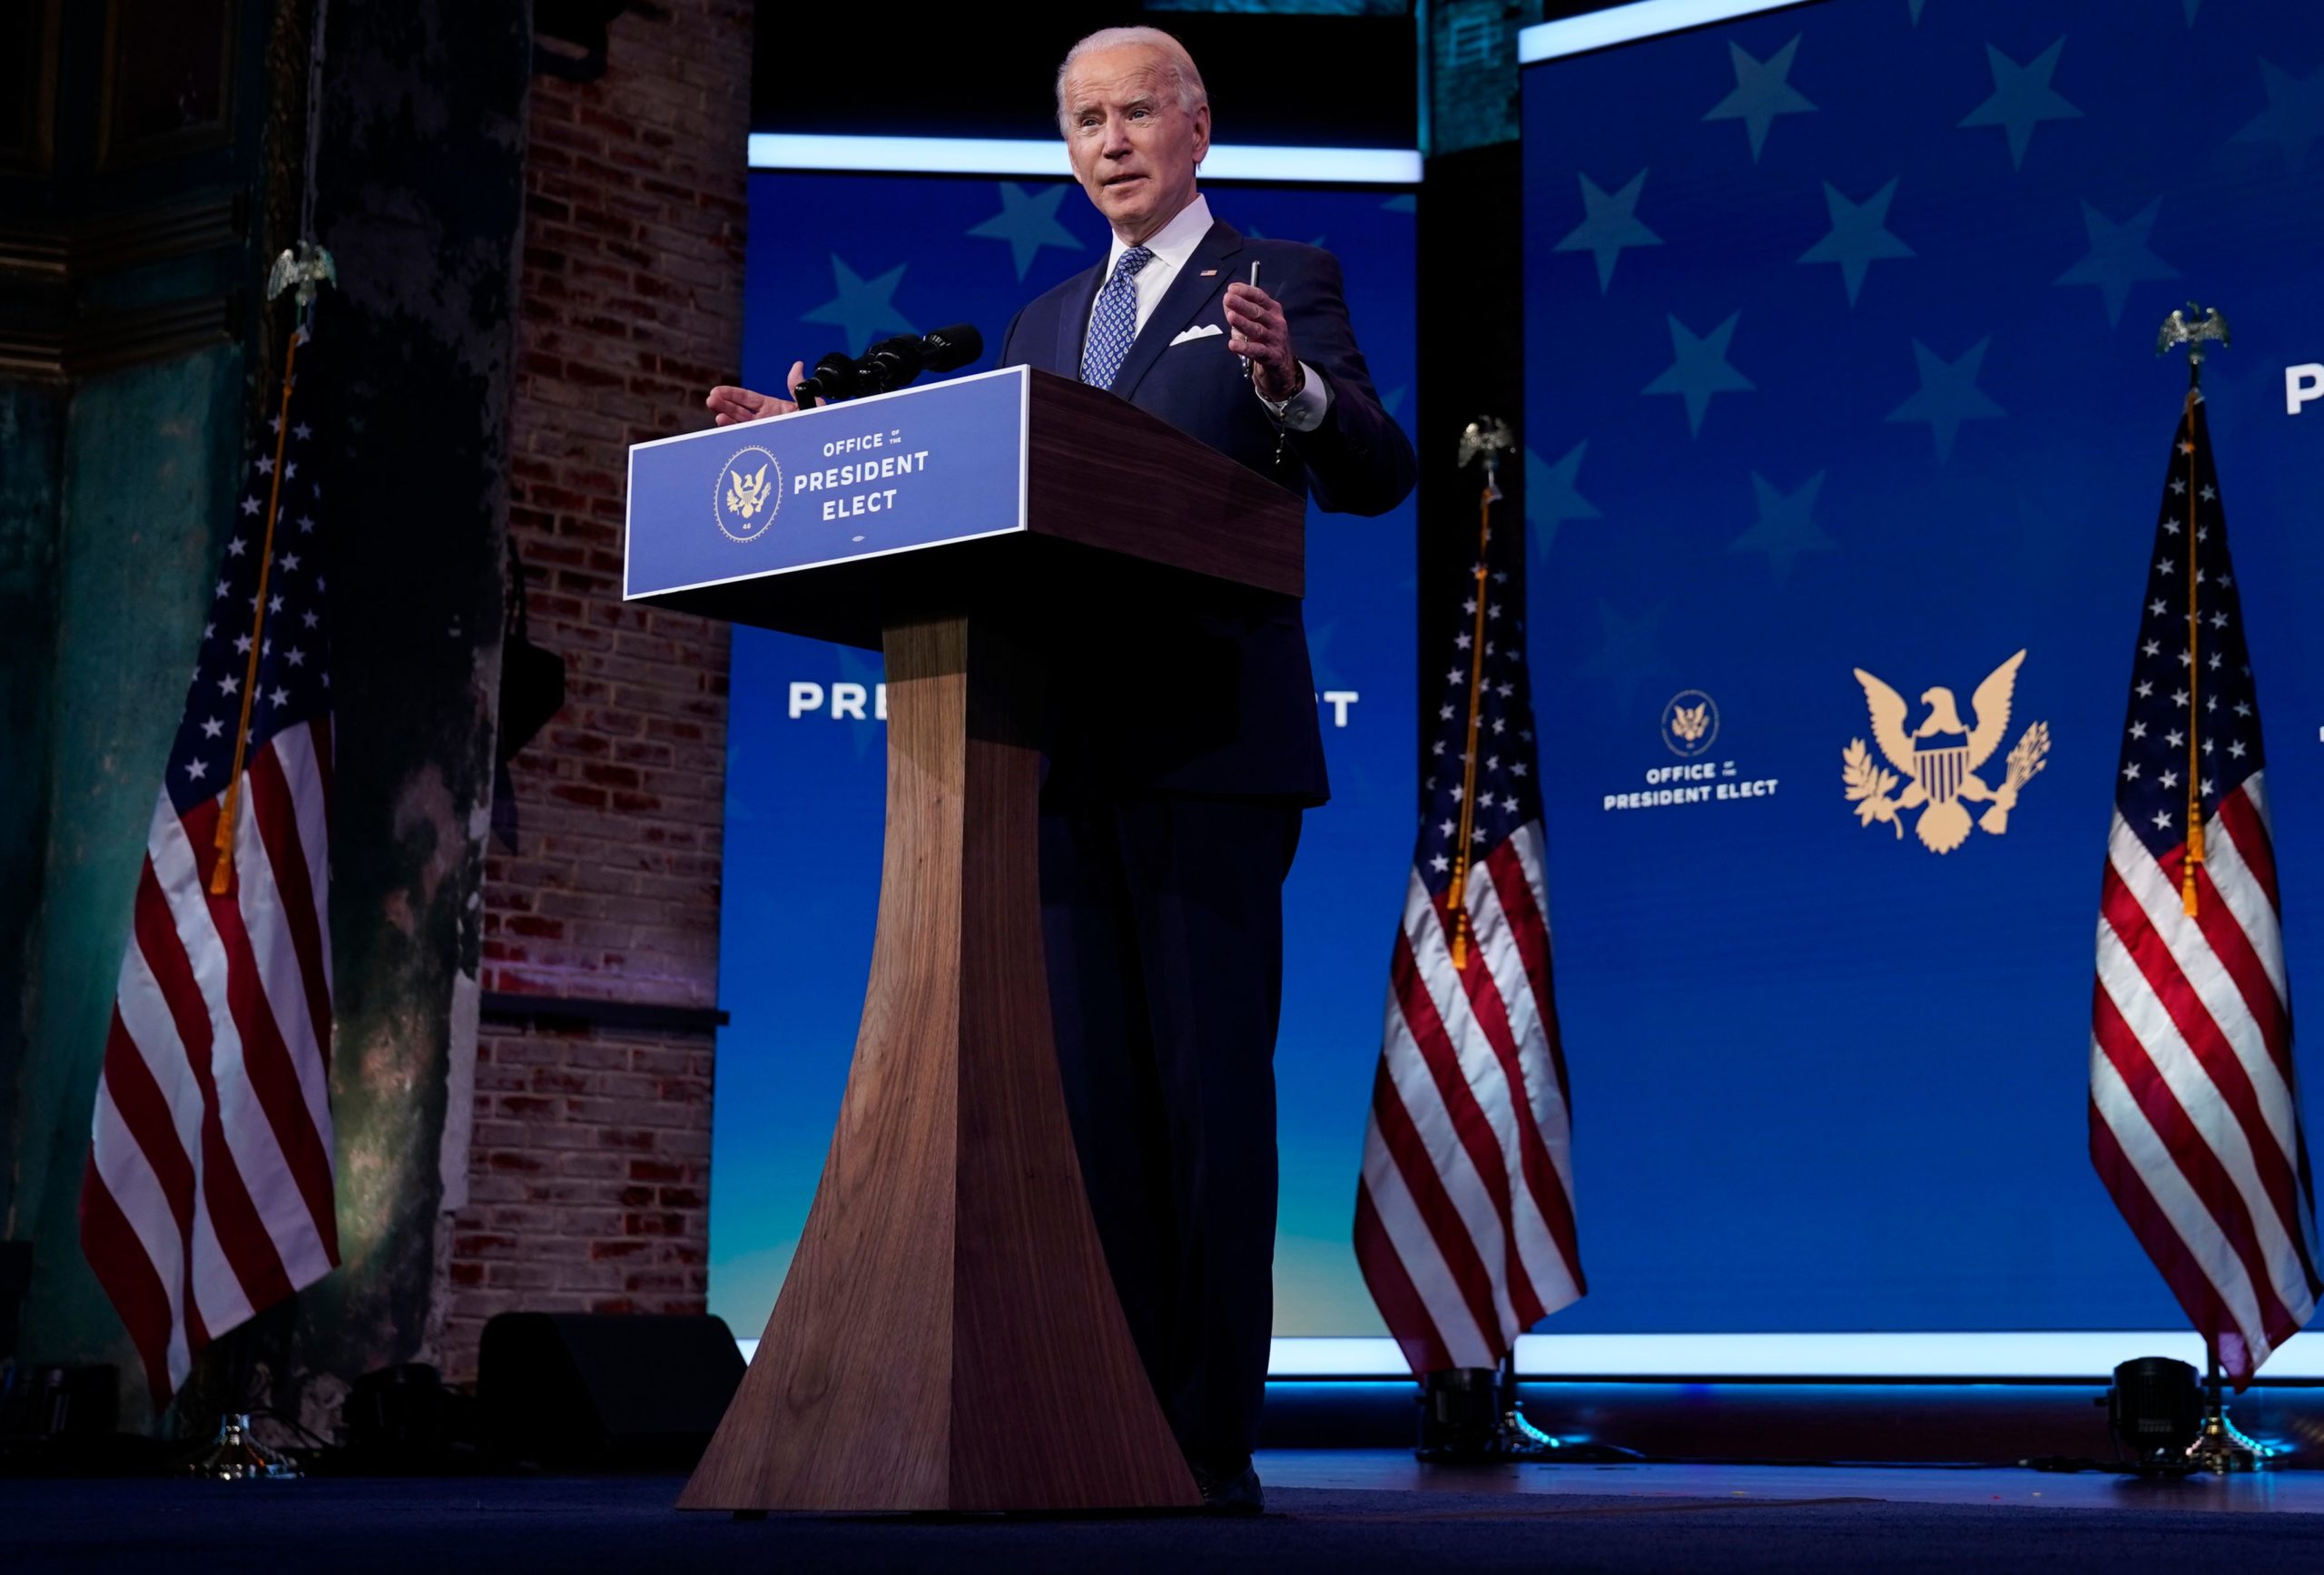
pixel 1118 142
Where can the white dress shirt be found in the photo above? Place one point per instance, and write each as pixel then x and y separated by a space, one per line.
pixel 1172 245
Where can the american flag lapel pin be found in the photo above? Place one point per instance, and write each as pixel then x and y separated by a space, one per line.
pixel 1207 274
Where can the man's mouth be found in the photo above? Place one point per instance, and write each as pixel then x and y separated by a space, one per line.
pixel 1122 181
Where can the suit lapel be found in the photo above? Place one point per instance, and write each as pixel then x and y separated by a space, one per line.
pixel 1186 296
pixel 1073 323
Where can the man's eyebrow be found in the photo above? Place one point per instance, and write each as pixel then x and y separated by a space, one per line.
pixel 1094 100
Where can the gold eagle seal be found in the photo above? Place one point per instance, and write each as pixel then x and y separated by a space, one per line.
pixel 749 485
pixel 1939 760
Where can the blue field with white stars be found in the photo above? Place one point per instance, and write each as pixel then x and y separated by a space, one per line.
pixel 1840 336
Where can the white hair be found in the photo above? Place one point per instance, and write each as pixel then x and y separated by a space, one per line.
pixel 1192 94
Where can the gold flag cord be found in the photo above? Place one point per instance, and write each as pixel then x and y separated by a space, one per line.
pixel 2194 679
pixel 1457 893
pixel 221 872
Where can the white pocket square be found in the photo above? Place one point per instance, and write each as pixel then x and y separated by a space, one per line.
pixel 1207 331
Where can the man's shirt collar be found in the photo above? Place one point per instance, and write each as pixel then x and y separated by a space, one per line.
pixel 1175 241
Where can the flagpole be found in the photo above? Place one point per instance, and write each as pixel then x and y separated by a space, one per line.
pixel 1456 894
pixel 221 872
pixel 1487 438
pixel 2194 666
pixel 2192 329
pixel 302 269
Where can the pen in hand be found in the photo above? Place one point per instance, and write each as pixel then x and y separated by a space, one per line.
pixel 1255 285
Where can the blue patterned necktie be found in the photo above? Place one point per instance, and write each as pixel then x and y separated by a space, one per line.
pixel 1115 324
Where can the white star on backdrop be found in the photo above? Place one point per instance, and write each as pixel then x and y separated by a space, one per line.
pixel 863 309
pixel 1700 369
pixel 1859 235
pixel 2022 99
pixel 2118 257
pixel 1608 224
pixel 1762 91
pixel 1027 223
pixel 1948 395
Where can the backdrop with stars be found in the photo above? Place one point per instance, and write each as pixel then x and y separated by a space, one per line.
pixel 1840 326
pixel 841 260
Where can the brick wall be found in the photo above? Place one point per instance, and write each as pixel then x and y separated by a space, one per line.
pixel 590 1172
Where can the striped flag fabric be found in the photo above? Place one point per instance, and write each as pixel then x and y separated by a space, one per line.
pixel 2194 1111
pixel 1464 1225
pixel 208 1194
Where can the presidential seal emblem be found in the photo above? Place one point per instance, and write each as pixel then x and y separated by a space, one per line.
pixel 1689 723
pixel 747 495
pixel 1939 760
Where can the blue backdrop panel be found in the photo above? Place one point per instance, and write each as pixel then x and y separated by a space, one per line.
pixel 846 259
pixel 1840 326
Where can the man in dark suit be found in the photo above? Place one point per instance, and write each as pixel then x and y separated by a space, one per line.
pixel 1167 826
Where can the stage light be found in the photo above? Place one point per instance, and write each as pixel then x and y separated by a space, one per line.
pixel 2156 1412
pixel 1045 158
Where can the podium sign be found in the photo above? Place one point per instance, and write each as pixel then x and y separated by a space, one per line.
pixel 891 473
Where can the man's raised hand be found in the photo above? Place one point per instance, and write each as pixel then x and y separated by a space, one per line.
pixel 729 405
pixel 1258 329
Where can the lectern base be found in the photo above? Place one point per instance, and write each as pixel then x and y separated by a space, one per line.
pixel 948 1338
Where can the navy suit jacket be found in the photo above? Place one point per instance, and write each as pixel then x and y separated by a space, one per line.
pixel 1212 696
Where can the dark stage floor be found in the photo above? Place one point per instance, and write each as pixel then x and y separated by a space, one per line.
pixel 1336 1509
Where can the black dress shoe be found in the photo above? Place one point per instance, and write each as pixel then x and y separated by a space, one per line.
pixel 1230 1493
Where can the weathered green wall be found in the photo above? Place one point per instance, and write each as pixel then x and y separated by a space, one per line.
pixel 421 199
pixel 148 468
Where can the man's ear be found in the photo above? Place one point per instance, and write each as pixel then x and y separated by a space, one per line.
pixel 1202 133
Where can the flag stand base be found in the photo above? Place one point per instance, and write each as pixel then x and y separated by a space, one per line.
pixel 237 1457
pixel 2224 1449
pixel 1470 1416
pixel 2219 1447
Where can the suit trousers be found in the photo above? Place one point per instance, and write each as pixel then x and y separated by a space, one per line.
pixel 1163 922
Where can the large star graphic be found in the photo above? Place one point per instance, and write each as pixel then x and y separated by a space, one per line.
pixel 1859 236
pixel 1551 496
pixel 1028 224
pixel 1626 650
pixel 2192 6
pixel 1608 224
pixel 862 307
pixel 2294 116
pixel 1948 396
pixel 1761 92
pixel 1699 370
pixel 2022 99
pixel 1916 5
pixel 1784 527
pixel 2118 257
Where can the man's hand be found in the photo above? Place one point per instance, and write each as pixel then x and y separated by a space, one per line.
pixel 730 405
pixel 1258 330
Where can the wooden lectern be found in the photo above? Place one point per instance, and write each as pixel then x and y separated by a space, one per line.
pixel 948 1338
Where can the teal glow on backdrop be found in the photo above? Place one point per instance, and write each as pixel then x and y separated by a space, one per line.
pixel 1840 327
pixel 841 260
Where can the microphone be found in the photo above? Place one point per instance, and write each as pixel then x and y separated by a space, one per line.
pixel 835 379
pixel 891 364
pixel 894 362
pixel 952 347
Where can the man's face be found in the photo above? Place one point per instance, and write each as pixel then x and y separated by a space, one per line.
pixel 1134 149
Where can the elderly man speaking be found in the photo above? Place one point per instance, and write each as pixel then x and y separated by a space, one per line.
pixel 1168 822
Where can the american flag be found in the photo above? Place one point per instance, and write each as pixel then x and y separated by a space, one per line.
pixel 208 1194
pixel 1464 1217
pixel 2194 1114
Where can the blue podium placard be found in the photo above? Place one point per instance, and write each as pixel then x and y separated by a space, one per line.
pixel 887 474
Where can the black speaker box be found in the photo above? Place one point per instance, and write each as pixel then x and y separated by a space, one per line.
pixel 593 1391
